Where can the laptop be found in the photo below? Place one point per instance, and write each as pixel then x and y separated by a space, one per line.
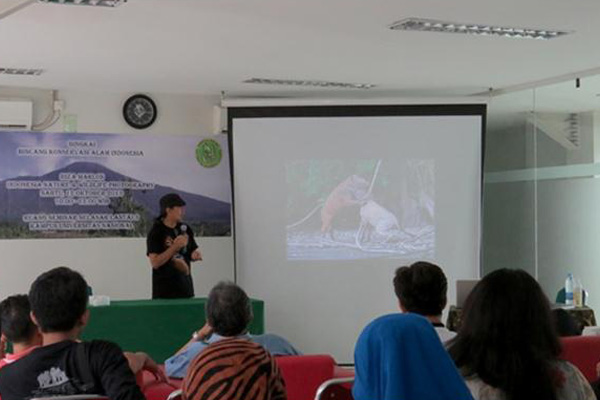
pixel 463 289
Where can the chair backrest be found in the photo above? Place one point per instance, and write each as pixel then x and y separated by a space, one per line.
pixel 154 389
pixel 176 395
pixel 336 389
pixel 74 397
pixel 304 374
pixel 583 352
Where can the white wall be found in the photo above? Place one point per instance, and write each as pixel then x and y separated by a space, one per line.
pixel 116 267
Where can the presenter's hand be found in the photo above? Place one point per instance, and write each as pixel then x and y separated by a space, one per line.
pixel 196 255
pixel 180 242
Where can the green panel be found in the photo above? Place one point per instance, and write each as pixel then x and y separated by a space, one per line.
pixel 157 327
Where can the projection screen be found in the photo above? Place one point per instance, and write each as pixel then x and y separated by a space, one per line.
pixel 329 201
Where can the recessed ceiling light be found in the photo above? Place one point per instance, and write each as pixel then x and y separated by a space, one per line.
pixel 430 25
pixel 21 71
pixel 310 83
pixel 100 3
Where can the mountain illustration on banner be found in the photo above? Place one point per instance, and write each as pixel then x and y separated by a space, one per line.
pixel 206 215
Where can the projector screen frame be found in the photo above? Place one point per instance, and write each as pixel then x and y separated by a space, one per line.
pixel 325 111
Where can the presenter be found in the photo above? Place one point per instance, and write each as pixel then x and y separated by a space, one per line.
pixel 171 248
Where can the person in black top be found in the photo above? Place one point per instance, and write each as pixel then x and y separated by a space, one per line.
pixel 63 365
pixel 171 248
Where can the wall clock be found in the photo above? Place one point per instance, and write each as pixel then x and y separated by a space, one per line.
pixel 139 111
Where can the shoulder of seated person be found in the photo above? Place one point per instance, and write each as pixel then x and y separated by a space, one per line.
pixel 100 344
pixel 566 367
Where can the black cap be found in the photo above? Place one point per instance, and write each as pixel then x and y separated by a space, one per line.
pixel 171 200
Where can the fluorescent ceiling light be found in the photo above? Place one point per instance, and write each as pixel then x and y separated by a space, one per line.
pixel 21 71
pixel 8 7
pixel 431 25
pixel 310 83
pixel 101 3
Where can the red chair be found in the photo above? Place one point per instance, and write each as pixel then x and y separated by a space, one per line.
pixel 153 389
pixel 73 397
pixel 306 378
pixel 314 377
pixel 583 352
pixel 176 395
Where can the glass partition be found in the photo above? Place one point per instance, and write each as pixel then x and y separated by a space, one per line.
pixel 568 201
pixel 541 188
pixel 508 238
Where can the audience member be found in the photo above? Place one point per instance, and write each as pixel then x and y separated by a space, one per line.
pixel 234 369
pixel 507 347
pixel 62 365
pixel 400 357
pixel 421 288
pixel 228 313
pixel 565 323
pixel 17 328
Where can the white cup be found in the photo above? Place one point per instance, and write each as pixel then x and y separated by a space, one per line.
pixel 99 300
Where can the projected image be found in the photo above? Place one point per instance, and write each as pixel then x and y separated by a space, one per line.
pixel 343 210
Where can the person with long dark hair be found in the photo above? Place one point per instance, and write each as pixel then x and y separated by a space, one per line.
pixel 507 347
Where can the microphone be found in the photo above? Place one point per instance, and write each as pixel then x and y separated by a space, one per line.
pixel 183 229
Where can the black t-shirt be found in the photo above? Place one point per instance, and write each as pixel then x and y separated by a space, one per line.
pixel 167 281
pixel 69 368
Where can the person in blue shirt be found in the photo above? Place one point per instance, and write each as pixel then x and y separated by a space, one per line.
pixel 228 314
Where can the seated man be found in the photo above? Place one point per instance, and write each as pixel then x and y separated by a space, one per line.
pixel 18 328
pixel 63 365
pixel 228 314
pixel 234 369
pixel 421 289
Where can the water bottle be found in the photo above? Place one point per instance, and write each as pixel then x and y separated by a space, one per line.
pixel 569 290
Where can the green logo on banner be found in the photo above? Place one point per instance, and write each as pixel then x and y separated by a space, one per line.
pixel 208 153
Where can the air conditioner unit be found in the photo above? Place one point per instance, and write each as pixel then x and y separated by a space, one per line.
pixel 15 114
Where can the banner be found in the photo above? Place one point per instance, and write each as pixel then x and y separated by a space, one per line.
pixel 73 185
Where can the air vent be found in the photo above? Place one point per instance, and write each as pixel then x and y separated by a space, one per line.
pixel 572 129
pixel 431 25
